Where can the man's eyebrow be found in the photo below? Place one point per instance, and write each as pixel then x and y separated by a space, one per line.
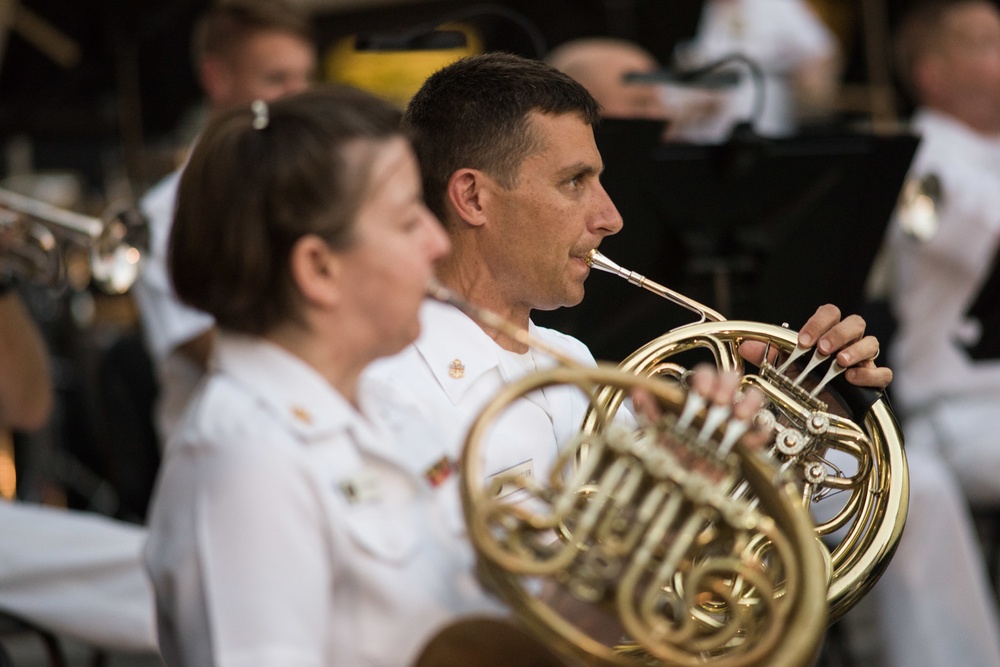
pixel 580 168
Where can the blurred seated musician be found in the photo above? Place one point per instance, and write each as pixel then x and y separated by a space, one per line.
pixel 301 518
pixel 244 50
pixel 603 66
pixel 71 573
pixel 797 55
pixel 947 349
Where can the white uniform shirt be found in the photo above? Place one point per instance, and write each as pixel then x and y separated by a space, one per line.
pixel 454 369
pixel 936 281
pixel 778 35
pixel 166 321
pixel 288 529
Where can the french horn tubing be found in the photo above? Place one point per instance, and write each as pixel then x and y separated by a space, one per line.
pixel 634 549
pixel 851 469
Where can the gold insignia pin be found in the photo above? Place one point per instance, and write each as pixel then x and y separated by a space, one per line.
pixel 456 370
pixel 301 414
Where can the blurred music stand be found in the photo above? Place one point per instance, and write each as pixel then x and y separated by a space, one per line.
pixel 772 227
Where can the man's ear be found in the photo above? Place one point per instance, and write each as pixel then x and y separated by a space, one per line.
pixel 216 79
pixel 929 78
pixel 468 194
pixel 317 271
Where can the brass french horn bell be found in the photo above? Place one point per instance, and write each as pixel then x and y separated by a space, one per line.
pixel 633 550
pixel 851 470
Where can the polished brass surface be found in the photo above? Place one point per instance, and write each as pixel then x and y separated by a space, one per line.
pixel 669 541
pixel 50 246
pixel 656 547
pixel 851 473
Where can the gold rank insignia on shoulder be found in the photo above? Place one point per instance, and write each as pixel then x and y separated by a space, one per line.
pixel 456 370
pixel 440 471
pixel 301 414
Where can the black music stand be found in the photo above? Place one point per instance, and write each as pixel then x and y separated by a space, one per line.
pixel 760 229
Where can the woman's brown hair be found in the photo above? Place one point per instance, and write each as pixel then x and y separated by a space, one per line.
pixel 260 178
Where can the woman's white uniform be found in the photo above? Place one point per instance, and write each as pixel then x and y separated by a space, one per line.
pixel 290 529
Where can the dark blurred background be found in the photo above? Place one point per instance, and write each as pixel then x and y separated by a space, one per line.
pixel 96 104
pixel 131 81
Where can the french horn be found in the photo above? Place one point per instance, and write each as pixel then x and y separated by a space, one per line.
pixel 847 457
pixel 669 540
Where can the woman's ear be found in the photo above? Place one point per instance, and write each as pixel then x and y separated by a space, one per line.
pixel 468 194
pixel 316 270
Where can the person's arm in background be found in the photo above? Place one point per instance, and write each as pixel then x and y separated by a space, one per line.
pixel 25 380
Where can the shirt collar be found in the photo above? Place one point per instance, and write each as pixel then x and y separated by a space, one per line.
pixel 305 403
pixel 301 398
pixel 458 352
pixel 958 135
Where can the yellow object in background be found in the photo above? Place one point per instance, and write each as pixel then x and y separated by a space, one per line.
pixel 393 75
pixel 8 473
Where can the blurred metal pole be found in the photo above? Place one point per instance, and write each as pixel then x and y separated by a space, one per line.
pixel 882 95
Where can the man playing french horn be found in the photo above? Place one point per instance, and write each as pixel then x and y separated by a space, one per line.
pixel 511 168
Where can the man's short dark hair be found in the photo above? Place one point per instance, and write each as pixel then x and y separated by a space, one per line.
pixel 228 23
pixel 474 114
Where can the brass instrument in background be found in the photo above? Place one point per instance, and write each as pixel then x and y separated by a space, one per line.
pixel 851 472
pixel 668 541
pixel 50 246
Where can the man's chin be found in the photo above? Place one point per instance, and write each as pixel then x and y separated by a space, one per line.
pixel 566 301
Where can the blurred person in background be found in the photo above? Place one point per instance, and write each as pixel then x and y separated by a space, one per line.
pixel 71 573
pixel 798 56
pixel 244 50
pixel 937 604
pixel 603 65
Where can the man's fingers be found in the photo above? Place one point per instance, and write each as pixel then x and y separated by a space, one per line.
pixel 825 318
pixel 868 375
pixel 844 333
pixel 866 349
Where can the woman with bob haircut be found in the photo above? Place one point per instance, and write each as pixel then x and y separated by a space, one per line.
pixel 298 520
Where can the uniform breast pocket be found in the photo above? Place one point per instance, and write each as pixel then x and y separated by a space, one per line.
pixel 450 506
pixel 386 532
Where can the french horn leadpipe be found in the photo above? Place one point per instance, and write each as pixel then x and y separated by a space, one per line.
pixel 44 238
pixel 863 534
pixel 649 539
pixel 598 261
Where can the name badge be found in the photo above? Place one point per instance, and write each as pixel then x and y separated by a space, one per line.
pixel 512 479
pixel 362 487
